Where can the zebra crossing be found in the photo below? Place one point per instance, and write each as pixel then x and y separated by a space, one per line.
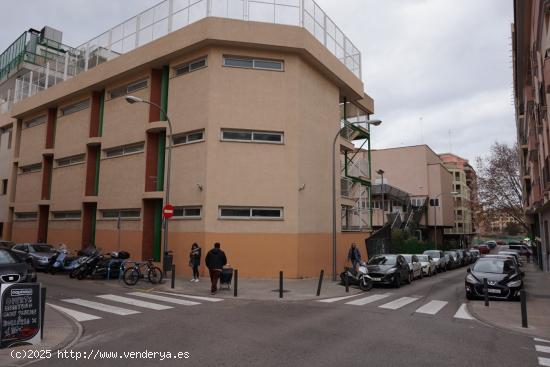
pixel 385 301
pixel 543 347
pixel 130 303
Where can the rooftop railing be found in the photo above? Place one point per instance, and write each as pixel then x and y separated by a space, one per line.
pixel 171 15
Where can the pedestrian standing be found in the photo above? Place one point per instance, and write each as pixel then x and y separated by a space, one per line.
pixel 354 255
pixel 195 261
pixel 215 261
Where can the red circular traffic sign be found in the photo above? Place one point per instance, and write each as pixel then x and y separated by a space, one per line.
pixel 168 211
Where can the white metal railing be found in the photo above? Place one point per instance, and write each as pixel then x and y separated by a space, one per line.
pixel 359 167
pixel 170 15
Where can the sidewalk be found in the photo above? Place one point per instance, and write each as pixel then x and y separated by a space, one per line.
pixel 507 315
pixel 60 332
pixel 263 289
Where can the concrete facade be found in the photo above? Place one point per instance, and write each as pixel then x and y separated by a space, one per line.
pixel 107 159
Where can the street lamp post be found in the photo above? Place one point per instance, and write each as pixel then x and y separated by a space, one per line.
pixel 369 122
pixel 132 100
pixel 435 213
pixel 381 173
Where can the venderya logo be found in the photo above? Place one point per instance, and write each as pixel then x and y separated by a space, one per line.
pixel 21 292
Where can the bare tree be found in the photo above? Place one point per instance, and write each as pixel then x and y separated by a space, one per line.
pixel 499 185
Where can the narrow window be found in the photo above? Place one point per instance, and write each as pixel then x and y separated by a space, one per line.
pixel 251 213
pixel 66 215
pixel 26 216
pixel 70 160
pixel 189 137
pixel 189 212
pixel 253 63
pixel 252 136
pixel 31 168
pixel 124 150
pixel 75 107
pixel 128 88
pixel 32 123
pixel 4 186
pixel 191 66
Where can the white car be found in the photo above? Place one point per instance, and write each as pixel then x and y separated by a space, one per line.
pixel 428 265
pixel 414 266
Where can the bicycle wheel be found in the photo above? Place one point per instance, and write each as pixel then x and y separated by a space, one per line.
pixel 131 276
pixel 154 275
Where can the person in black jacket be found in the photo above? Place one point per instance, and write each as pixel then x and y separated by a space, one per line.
pixel 215 261
pixel 195 261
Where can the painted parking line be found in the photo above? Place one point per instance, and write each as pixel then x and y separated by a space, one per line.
pixel 544 361
pixel 134 302
pixel 463 313
pixel 398 303
pixel 101 306
pixel 336 299
pixel 369 299
pixel 77 315
pixel 432 307
pixel 541 340
pixel 156 297
pixel 542 348
pixel 200 298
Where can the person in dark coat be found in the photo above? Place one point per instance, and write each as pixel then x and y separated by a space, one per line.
pixel 195 261
pixel 354 255
pixel 215 261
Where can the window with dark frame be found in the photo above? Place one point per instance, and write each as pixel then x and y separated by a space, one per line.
pixel 191 212
pixel 26 216
pixel 33 122
pixel 188 137
pixel 67 215
pixel 253 63
pixel 75 107
pixel 252 136
pixel 128 88
pixel 31 168
pixel 122 213
pixel 124 150
pixel 70 160
pixel 191 66
pixel 250 213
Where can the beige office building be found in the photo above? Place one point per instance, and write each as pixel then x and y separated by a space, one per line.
pixel 256 93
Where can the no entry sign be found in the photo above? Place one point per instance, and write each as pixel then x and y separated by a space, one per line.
pixel 168 211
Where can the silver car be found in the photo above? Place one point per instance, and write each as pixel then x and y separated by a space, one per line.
pixel 38 254
pixel 414 265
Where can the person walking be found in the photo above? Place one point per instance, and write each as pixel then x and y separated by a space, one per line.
pixel 195 261
pixel 215 261
pixel 354 255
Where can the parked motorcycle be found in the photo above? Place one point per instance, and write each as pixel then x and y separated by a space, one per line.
pixel 98 265
pixel 61 261
pixel 359 276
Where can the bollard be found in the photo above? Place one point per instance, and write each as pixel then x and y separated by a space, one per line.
pixel 347 282
pixel 485 292
pixel 236 282
pixel 173 275
pixel 280 284
pixel 320 283
pixel 42 310
pixel 523 299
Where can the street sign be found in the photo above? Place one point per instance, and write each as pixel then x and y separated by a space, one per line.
pixel 21 315
pixel 168 211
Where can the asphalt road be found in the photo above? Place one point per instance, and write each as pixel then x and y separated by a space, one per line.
pixel 285 333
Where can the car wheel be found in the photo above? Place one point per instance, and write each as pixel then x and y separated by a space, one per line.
pixel 396 281
pixel 409 278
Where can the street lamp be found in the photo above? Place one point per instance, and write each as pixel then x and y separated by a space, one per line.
pixel 369 122
pixel 132 100
pixel 453 193
pixel 381 173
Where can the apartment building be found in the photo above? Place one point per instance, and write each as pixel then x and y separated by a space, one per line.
pixel 531 60
pixel 419 172
pixel 464 186
pixel 256 93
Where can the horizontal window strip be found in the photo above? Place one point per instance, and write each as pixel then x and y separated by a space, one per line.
pixel 26 216
pixel 252 136
pixel 192 212
pixel 191 66
pixel 31 168
pixel 188 137
pixel 120 213
pixel 129 88
pixel 75 107
pixel 124 150
pixel 67 161
pixel 66 215
pixel 36 121
pixel 253 63
pixel 250 213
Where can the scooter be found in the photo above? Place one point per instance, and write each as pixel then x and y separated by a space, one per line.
pixel 62 262
pixel 359 276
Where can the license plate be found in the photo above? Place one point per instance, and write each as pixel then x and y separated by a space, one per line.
pixel 376 279
pixel 494 291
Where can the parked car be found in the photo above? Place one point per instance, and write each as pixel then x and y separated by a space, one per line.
pixel 484 249
pixel 427 265
pixel 414 265
pixel 468 256
pixel 475 254
pixel 501 243
pixel 453 259
pixel 460 258
pixel 439 258
pixel 491 244
pixel 389 269
pixel 511 253
pixel 14 269
pixel 523 250
pixel 38 254
pixel 504 256
pixel 504 279
pixel 6 245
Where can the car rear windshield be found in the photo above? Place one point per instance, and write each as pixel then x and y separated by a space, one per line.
pixel 434 254
pixel 6 258
pixel 408 258
pixel 423 258
pixel 383 260
pixel 495 266
pixel 41 248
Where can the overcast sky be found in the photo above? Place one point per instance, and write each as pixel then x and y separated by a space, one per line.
pixel 438 70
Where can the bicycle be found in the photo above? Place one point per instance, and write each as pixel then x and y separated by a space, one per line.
pixel 132 275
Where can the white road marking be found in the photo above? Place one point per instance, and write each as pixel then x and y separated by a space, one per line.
pixel 200 298
pixel 432 307
pixel 134 302
pixel 544 361
pixel 398 303
pixel 541 340
pixel 369 299
pixel 164 299
pixel 77 315
pixel 463 313
pixel 542 348
pixel 336 299
pixel 101 306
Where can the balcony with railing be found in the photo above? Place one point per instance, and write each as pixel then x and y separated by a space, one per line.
pixel 171 15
